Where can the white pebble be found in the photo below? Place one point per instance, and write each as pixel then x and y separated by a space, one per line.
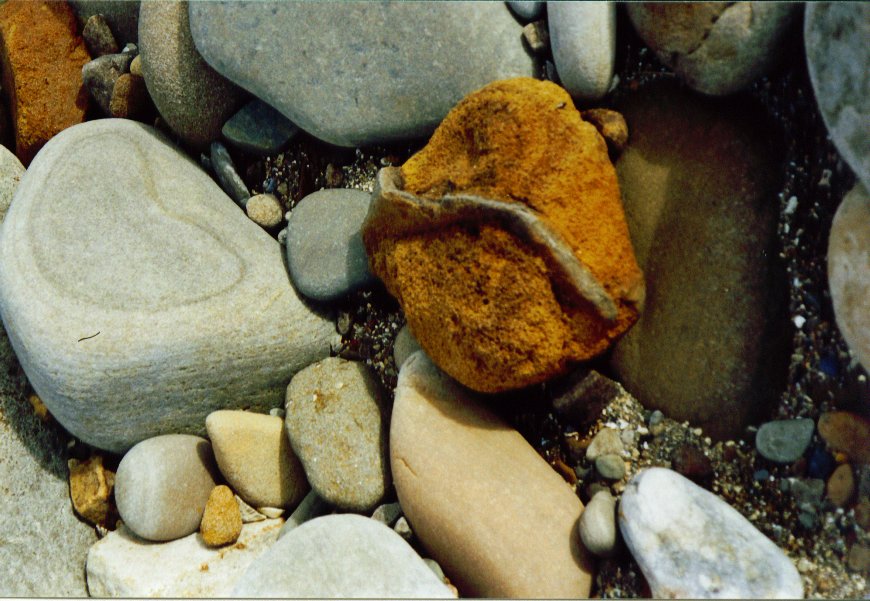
pixel 799 321
pixel 791 205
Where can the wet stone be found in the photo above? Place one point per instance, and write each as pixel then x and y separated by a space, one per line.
pixel 784 441
pixel 226 173
pixel 259 129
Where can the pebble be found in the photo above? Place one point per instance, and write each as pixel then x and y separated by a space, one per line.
pixel 689 543
pixel 100 76
pixel 388 513
pixel 612 127
pixel 130 99
pixel 404 79
pixel 122 300
pixel 343 555
pixel 862 514
pixel 403 529
pixel 265 210
pixel 222 520
pixel 259 129
pixel 581 395
pixel 254 455
pixel 784 441
pixel 841 485
pixel 98 37
pixel 193 99
pixel 656 422
pixel 136 66
pixel 526 9
pixel 690 461
pixel 451 473
pixel 90 489
pixel 820 464
pixel 227 176
pixel 597 525
pixel 583 39
pixel 11 172
pixel 162 485
pixel 846 432
pixel 404 346
pixel 312 506
pixel 537 36
pixel 337 420
pixel 325 252
pixel 610 467
pixel 606 442
pixel 807 493
pixel 858 559
pixel 122 16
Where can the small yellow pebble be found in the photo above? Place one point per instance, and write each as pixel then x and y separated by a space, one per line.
pixel 222 520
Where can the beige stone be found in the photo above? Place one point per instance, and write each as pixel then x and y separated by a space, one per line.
pixel 265 210
pixel 222 520
pixel 90 488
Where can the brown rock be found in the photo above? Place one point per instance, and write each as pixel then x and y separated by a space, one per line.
pixel 582 395
pixel 222 520
pixel 862 514
pixel 526 266
pixel 90 488
pixel 846 432
pixel 489 510
pixel 841 485
pixel 691 462
pixel 98 37
pixel 130 99
pixel 858 559
pixel 612 127
pixel 41 58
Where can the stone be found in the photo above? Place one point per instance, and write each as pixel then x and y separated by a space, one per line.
pixel 11 171
pixel 583 39
pixel 610 467
pixel 222 520
pixel 849 271
pixel 124 565
pixel 265 210
pixel 41 60
pixel 388 513
pixel 695 176
pixel 403 529
pixel 689 543
pixel 121 15
pixel 835 39
pixel 690 461
pixel 716 48
pixel 249 514
pixel 227 176
pixel 858 558
pixel 254 455
pixel 404 346
pixel 311 507
pixel 130 99
pixel 325 252
pixel 606 442
pixel 785 440
pixel 582 395
pixel 363 73
pixel 597 525
pixel 807 493
pixel 136 66
pixel 862 514
pixel 612 127
pixel 162 485
pixel 192 98
pixel 491 256
pixel 90 489
pixel 100 76
pixel 259 129
pixel 343 555
pixel 846 432
pixel 98 37
pixel 337 421
pixel 482 502
pixel 841 486
pixel 129 339
pixel 526 9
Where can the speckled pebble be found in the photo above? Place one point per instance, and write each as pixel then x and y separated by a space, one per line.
pixel 610 466
pixel 784 441
pixel 222 520
pixel 846 432
pixel 265 210
pixel 841 485
pixel 583 39
pixel 100 75
pixel 605 442
pixel 98 37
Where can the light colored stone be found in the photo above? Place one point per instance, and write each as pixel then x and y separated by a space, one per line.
pixel 606 442
pixel 121 333
pixel 784 440
pixel 311 507
pixel 583 39
pixel 265 210
pixel 388 513
pixel 222 519
pixel 124 565
pixel 610 466
pixel 689 543
pixel 342 555
pixel 163 484
pixel 597 525
pixel 254 455
pixel 496 517
pixel 11 172
pixel 404 346
pixel 362 72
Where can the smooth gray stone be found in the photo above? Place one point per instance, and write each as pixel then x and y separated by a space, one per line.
pixel 388 513
pixel 404 346
pixel 597 524
pixel 121 15
pixel 100 75
pixel 312 506
pixel 259 129
pixel 342 555
pixel 226 173
pixel 138 297
pixel 325 252
pixel 362 72
pixel 785 440
pixel 583 40
pixel 610 466
pixel 527 10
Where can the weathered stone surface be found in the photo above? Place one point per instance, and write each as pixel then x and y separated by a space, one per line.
pixel 583 39
pixel 605 442
pixel 504 239
pixel 98 37
pixel 785 440
pixel 840 488
pixel 265 210
pixel 846 432
pixel 120 333
pixel 124 565
pixel 41 60
pixel 689 543
pixel 362 72
pixel 130 99
pixel 581 395
pixel 716 48
pixel 222 519
pixel 11 172
pixel 343 555
pixel 90 489
pixel 259 129
pixel 100 76
pixel 699 183
pixel 496 517
pixel 122 16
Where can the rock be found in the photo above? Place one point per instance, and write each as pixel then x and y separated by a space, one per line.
pixel 90 489
pixel 128 339
pixel 388 513
pixel 136 66
pixel 526 9
pixel 403 529
pixel 337 421
pixel 222 520
pixel 862 514
pixel 98 37
pixel 259 129
pixel 582 395
pixel 606 442
pixel 404 78
pixel 404 346
pixel 254 455
pixel 846 432
pixel 192 98
pixel 450 474
pixel 325 252
pixel 689 543
pixel 162 485
pixel 841 485
pixel 583 39
pixel 41 59
pixel 785 440
pixel 537 37
pixel 249 514
pixel 612 127
pixel 121 15
pixel 858 558
pixel 265 210
pixel 691 462
pixel 716 48
pixel 227 176
pixel 11 171
pixel 311 507
pixel 130 99
pixel 697 177
pixel 504 294
pixel 610 467
pixel 597 525
pixel 123 565
pixel 849 271
pixel 835 38
pixel 100 76
pixel 807 493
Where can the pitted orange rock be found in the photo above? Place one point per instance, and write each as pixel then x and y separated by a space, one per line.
pixel 505 241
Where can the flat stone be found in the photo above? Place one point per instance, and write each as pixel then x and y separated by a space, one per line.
pixel 835 38
pixel 100 76
pixel 342 555
pixel 162 485
pixel 610 466
pixel 222 519
pixel 581 395
pixel 121 15
pixel 785 440
pixel 690 461
pixel 846 432
pixel 605 442
pixel 363 73
pixel 526 9
pixel 311 507
pixel 128 339
pixel 597 525
pixel 254 455
pixel 689 543
pixel 124 565
pixel 193 99
pixel 259 129
pixel 404 346
pixel 496 517
pixel 325 252
pixel 337 421
pixel 583 39
pixel 226 173
pixel 98 36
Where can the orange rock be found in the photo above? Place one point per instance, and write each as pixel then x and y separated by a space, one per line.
pixel 846 432
pixel 529 266
pixel 90 489
pixel 222 520
pixel 41 57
